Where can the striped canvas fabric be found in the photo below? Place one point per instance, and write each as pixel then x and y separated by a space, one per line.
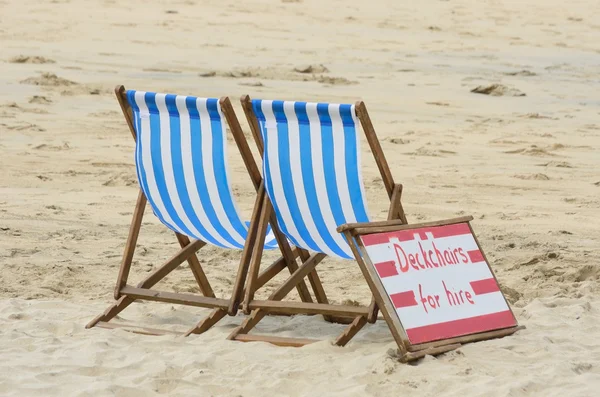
pixel 312 171
pixel 181 163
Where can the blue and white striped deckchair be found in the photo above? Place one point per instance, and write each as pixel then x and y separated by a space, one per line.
pixel 311 171
pixel 182 169
pixel 311 168
pixel 181 162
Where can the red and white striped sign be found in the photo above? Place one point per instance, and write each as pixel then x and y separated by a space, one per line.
pixel 438 281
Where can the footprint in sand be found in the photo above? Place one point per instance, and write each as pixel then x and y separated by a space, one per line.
pixel 557 164
pixel 53 148
pixel 497 90
pixel 536 177
pixel 536 151
pixel 301 73
pixel 40 100
pixel 121 179
pixel 310 69
pixel 48 80
pixel 423 151
pixel 30 59
pixel 525 73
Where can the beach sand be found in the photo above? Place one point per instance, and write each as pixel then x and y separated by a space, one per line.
pixel 524 161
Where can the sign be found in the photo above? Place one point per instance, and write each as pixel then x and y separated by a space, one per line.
pixel 439 282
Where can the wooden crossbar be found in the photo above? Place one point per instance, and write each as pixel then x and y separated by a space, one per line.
pixel 309 308
pixel 171 297
pixel 275 340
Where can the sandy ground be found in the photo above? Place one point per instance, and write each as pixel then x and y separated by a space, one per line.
pixel 525 166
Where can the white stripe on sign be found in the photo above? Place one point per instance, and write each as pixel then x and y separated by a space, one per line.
pixel 385 252
pixel 415 316
pixel 459 277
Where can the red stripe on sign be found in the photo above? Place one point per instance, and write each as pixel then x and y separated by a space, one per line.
pixel 386 269
pixel 475 256
pixel 384 238
pixel 408 235
pixel 451 230
pixel 486 286
pixel 404 299
pixel 465 326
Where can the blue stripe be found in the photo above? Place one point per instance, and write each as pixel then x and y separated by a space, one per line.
pixel 177 161
pixel 352 171
pixel 197 162
pixel 267 172
pixel 157 165
pixel 308 177
pixel 219 167
pixel 285 168
pixel 140 166
pixel 328 154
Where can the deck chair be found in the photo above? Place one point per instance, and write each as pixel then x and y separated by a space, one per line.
pixel 181 163
pixel 311 169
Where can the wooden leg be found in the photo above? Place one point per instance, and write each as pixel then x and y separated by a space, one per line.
pixel 207 322
pixel 261 232
pixel 307 267
pixel 317 286
pixel 286 252
pixel 269 273
pixel 134 231
pixel 249 323
pixel 373 310
pixel 124 301
pixel 395 212
pixel 121 304
pixel 351 330
pixel 249 246
pixel 196 268
pixel 393 324
pixel 314 280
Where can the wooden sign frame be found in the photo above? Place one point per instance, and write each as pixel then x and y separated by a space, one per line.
pixel 408 351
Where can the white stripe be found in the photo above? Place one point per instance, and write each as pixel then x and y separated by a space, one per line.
pixel 209 172
pixel 384 252
pixel 457 275
pixel 296 169
pixel 146 161
pixel 339 156
pixel 415 316
pixel 167 162
pixel 272 153
pixel 188 171
pixel 319 173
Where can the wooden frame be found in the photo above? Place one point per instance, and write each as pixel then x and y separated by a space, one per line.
pixel 409 352
pixel 126 294
pixel 356 317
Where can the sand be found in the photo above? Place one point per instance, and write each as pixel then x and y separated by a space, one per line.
pixel 521 156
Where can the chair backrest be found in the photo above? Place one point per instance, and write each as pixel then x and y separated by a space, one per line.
pixel 311 170
pixel 181 162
